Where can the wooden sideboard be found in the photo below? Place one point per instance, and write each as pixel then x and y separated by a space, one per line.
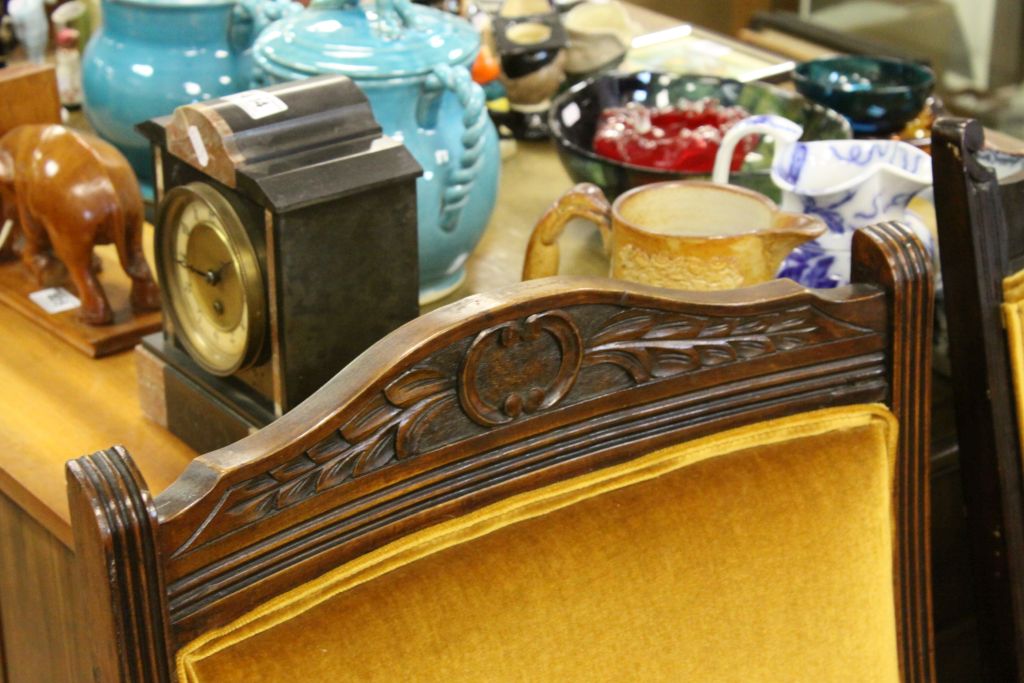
pixel 58 404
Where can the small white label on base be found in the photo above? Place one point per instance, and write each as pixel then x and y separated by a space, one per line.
pixel 202 156
pixel 257 103
pixel 55 300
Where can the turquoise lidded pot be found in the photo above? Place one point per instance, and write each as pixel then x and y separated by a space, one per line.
pixel 152 56
pixel 413 64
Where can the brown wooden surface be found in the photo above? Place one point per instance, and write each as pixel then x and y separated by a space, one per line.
pixel 28 94
pixel 39 584
pixel 494 395
pixel 57 402
pixel 93 340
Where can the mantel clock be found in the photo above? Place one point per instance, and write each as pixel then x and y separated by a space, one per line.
pixel 285 243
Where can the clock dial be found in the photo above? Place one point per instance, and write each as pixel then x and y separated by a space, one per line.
pixel 213 278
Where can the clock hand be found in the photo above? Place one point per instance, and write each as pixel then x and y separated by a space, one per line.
pixel 210 276
pixel 220 269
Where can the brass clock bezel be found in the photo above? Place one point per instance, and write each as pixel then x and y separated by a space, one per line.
pixel 228 228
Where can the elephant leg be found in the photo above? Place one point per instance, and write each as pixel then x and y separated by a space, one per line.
pixel 77 256
pixel 145 293
pixel 35 251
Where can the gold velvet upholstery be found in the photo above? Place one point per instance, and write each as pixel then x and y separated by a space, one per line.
pixel 764 553
pixel 1013 315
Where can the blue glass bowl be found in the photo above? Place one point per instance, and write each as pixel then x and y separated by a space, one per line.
pixel 878 95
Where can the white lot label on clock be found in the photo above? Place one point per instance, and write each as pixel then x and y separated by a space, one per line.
pixel 258 104
pixel 202 156
pixel 55 300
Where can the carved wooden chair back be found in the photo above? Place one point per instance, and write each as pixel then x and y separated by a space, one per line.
pixel 981 233
pixel 498 397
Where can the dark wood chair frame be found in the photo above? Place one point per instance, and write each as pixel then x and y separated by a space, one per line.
pixel 980 246
pixel 492 396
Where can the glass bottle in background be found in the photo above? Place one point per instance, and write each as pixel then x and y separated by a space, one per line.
pixel 69 68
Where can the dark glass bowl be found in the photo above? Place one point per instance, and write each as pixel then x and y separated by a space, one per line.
pixel 878 95
pixel 574 115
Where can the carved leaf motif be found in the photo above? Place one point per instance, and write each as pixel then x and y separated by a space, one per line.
pixel 671 363
pixel 328 449
pixel 337 471
pixel 630 362
pixel 658 344
pixel 253 508
pixel 716 330
pixel 622 327
pixel 786 324
pixel 751 327
pixel 418 384
pixel 751 348
pixel 378 453
pixel 297 490
pixel 293 468
pixel 407 436
pixel 389 426
pixel 369 420
pixel 716 355
pixel 788 343
pixel 683 329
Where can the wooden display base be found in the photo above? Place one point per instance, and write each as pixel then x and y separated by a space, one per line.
pixel 125 332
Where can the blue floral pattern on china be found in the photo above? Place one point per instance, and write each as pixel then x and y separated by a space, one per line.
pixel 847 183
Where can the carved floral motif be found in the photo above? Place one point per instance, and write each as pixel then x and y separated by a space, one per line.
pixel 647 344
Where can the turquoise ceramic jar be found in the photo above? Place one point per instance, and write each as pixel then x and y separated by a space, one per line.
pixel 413 64
pixel 153 55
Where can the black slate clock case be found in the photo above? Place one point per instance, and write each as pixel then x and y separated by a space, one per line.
pixel 329 204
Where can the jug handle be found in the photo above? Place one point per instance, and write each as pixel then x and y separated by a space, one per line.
pixel 585 200
pixel 782 130
pixel 254 16
pixel 475 121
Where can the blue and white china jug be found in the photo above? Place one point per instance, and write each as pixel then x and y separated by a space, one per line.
pixel 152 56
pixel 847 183
pixel 413 64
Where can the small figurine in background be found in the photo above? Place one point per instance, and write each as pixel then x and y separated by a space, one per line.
pixel 69 68
pixel 30 27
pixel 66 192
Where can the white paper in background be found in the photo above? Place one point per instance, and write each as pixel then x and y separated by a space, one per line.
pixel 258 104
pixel 55 300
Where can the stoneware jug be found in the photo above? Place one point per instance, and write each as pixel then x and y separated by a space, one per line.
pixel 689 234
pixel 151 56
pixel 413 64
pixel 849 184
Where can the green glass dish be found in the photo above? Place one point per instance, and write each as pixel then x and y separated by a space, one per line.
pixel 878 95
pixel 574 115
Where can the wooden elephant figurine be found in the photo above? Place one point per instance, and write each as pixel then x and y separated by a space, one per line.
pixel 68 191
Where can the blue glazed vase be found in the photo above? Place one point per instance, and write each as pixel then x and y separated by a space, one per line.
pixel 152 56
pixel 413 64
